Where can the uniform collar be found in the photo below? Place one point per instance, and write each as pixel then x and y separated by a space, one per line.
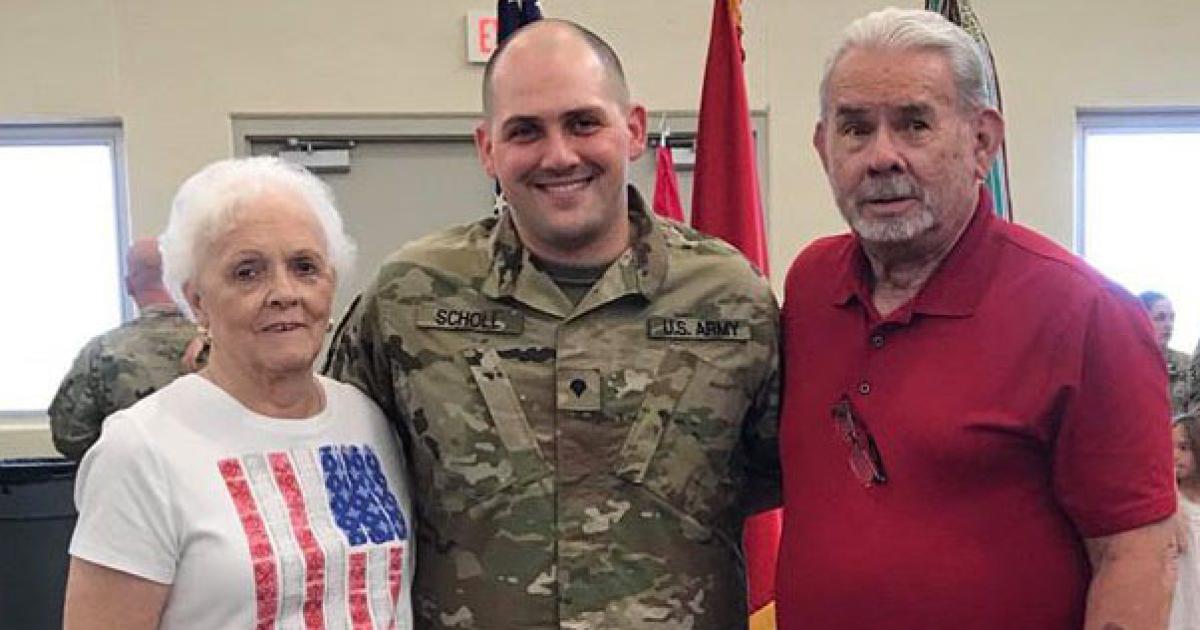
pixel 640 269
pixel 956 286
pixel 159 310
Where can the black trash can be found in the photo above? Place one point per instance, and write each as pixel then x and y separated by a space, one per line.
pixel 37 516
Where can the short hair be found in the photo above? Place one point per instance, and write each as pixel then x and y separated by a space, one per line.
pixel 605 53
pixel 1190 427
pixel 1149 298
pixel 218 194
pixel 143 266
pixel 910 30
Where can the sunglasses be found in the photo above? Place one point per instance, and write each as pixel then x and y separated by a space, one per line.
pixel 865 460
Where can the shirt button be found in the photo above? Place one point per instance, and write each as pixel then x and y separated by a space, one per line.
pixel 864 388
pixel 877 340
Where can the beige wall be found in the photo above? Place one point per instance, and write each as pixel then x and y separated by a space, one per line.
pixel 174 71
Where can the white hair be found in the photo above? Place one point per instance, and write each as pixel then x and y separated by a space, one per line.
pixel 209 201
pixel 915 29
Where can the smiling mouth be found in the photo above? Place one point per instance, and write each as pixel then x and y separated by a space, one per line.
pixel 281 327
pixel 565 186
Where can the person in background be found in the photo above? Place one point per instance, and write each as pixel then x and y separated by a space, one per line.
pixel 126 364
pixel 253 494
pixel 975 423
pixel 587 392
pixel 1185 609
pixel 1162 317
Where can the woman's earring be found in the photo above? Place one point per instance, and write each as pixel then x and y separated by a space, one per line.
pixel 500 205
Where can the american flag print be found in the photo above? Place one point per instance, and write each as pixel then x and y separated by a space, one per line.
pixel 326 535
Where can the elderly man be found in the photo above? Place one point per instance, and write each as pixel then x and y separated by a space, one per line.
pixel 974 431
pixel 126 364
pixel 584 389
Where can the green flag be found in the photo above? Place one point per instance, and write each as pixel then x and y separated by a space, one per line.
pixel 960 12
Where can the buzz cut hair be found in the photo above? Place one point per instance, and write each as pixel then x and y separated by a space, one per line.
pixel 603 51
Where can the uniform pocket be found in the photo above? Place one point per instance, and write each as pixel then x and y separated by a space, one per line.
pixel 683 436
pixel 477 433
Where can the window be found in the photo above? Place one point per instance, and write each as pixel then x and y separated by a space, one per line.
pixel 62 234
pixel 1139 215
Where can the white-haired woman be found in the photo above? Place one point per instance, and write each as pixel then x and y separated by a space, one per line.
pixel 254 493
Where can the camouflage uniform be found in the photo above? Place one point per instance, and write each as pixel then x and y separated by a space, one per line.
pixel 1179 370
pixel 575 466
pixel 115 370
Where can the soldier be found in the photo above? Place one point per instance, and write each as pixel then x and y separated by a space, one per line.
pixel 126 364
pixel 1162 317
pixel 583 388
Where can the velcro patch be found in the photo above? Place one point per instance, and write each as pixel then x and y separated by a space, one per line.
pixel 495 320
pixel 696 328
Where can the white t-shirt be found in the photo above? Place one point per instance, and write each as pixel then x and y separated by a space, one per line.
pixel 1185 609
pixel 253 521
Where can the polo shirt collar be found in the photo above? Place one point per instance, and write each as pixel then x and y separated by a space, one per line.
pixel 956 286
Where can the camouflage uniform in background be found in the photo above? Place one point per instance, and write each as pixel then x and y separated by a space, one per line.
pixel 1193 378
pixel 575 466
pixel 1179 370
pixel 115 370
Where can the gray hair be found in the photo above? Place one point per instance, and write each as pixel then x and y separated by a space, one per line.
pixel 916 29
pixel 212 198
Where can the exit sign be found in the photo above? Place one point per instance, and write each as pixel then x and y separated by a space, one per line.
pixel 482 31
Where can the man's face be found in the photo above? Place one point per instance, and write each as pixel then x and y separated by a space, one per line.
pixel 1185 458
pixel 559 140
pixel 1162 316
pixel 903 157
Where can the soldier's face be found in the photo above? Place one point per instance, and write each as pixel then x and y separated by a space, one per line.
pixel 264 288
pixel 903 158
pixel 559 141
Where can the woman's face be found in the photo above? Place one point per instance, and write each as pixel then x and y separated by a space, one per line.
pixel 1162 316
pixel 1185 458
pixel 264 288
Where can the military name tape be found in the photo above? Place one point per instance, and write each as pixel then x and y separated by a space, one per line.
pixel 698 328
pixel 501 321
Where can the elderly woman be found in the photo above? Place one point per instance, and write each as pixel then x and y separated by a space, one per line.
pixel 254 493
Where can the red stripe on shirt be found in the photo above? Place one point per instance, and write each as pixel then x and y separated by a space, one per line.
pixel 262 554
pixel 360 607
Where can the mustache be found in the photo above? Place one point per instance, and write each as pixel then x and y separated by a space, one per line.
pixel 887 188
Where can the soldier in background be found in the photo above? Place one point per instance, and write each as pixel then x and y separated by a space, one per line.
pixel 1162 317
pixel 586 393
pixel 128 363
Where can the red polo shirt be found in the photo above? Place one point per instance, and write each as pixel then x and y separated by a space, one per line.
pixel 1018 403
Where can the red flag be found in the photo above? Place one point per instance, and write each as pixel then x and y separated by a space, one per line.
pixel 666 188
pixel 760 539
pixel 726 203
pixel 725 200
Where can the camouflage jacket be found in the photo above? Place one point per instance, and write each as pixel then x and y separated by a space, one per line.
pixel 1179 373
pixel 575 466
pixel 115 370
